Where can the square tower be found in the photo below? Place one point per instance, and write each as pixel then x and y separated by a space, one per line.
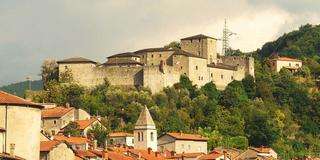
pixel 201 45
pixel 145 133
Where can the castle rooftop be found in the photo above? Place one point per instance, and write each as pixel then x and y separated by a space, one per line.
pixel 199 36
pixel 222 66
pixel 76 60
pixel 116 62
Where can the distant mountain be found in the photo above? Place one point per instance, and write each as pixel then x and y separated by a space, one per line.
pixel 20 87
pixel 304 42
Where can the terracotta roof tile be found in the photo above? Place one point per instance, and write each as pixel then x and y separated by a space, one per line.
pixel 211 156
pixel 187 155
pixel 184 136
pixel 71 140
pixel 55 112
pixel 126 54
pixel 287 59
pixel 120 134
pixel 145 155
pixel 46 146
pixel 83 124
pixel 85 154
pixel 12 100
pixel 116 62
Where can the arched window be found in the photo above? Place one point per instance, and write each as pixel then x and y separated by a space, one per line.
pixel 138 136
pixel 151 136
pixel 141 136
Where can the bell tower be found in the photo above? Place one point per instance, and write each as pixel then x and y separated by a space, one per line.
pixel 145 133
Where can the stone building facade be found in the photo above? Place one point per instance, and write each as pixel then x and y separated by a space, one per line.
pixel 19 126
pixel 156 68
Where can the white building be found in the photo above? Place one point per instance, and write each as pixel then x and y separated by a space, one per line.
pixel 278 63
pixel 121 138
pixel 145 133
pixel 20 122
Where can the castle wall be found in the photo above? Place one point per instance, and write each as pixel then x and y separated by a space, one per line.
pixel 81 72
pixel 181 62
pixel 198 72
pixel 247 62
pixel 124 76
pixel 154 58
pixel 222 77
pixel 156 80
pixel 205 48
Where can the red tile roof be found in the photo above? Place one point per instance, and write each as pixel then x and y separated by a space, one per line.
pixel 55 112
pixel 12 100
pixel 184 136
pixel 262 149
pixel 71 140
pixel 112 155
pixel 83 124
pixel 287 59
pixel 211 156
pixel 46 146
pixel 187 155
pixel 120 134
pixel 145 154
pixel 85 154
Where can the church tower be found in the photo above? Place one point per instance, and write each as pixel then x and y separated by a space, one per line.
pixel 145 133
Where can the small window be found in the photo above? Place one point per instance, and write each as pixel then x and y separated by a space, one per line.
pixel 181 67
pixel 151 55
pixel 132 141
pixel 53 132
pixel 189 147
pixel 65 67
pixel 196 67
pixel 221 76
pixel 231 77
pixel 54 122
pixel 199 78
pixel 182 146
pixel 151 64
pixel 139 136
pixel 290 64
pixel 199 53
pixel 297 65
pixel 160 55
pixel 151 136
pixel 211 75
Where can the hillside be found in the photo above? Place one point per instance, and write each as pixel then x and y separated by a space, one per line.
pixel 304 42
pixel 20 87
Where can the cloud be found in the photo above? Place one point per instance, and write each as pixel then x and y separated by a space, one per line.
pixel 34 30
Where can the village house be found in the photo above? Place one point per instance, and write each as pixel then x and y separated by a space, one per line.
pixel 156 68
pixel 121 138
pixel 55 150
pixel 85 125
pixel 55 118
pixel 215 155
pixel 81 143
pixel 277 63
pixel 186 156
pixel 258 153
pixel 182 143
pixel 20 122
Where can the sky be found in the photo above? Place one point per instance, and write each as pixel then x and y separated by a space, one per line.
pixel 34 30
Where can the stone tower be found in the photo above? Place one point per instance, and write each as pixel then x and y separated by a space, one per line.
pixel 145 133
pixel 201 45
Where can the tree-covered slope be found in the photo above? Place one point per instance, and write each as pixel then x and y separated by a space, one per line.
pixel 20 87
pixel 304 42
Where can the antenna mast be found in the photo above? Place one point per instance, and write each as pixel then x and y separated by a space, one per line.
pixel 225 39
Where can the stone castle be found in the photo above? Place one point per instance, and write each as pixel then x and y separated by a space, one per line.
pixel 156 68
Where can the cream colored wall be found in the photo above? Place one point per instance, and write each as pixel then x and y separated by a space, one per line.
pixel 222 77
pixel 166 143
pixel 81 73
pixel 198 71
pixel 61 152
pixel 85 131
pixel 281 64
pixel 146 143
pixel 205 48
pixel 23 130
pixel 48 123
pixel 81 114
pixel 1 142
pixel 190 146
pixel 181 62
pixel 154 58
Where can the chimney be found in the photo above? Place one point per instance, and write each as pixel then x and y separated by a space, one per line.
pixel 149 150
pixel 67 105
pixel 95 144
pixel 156 153
pixel 12 147
pixel 224 154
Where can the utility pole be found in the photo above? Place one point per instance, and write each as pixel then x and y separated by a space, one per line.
pixel 29 82
pixel 225 38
